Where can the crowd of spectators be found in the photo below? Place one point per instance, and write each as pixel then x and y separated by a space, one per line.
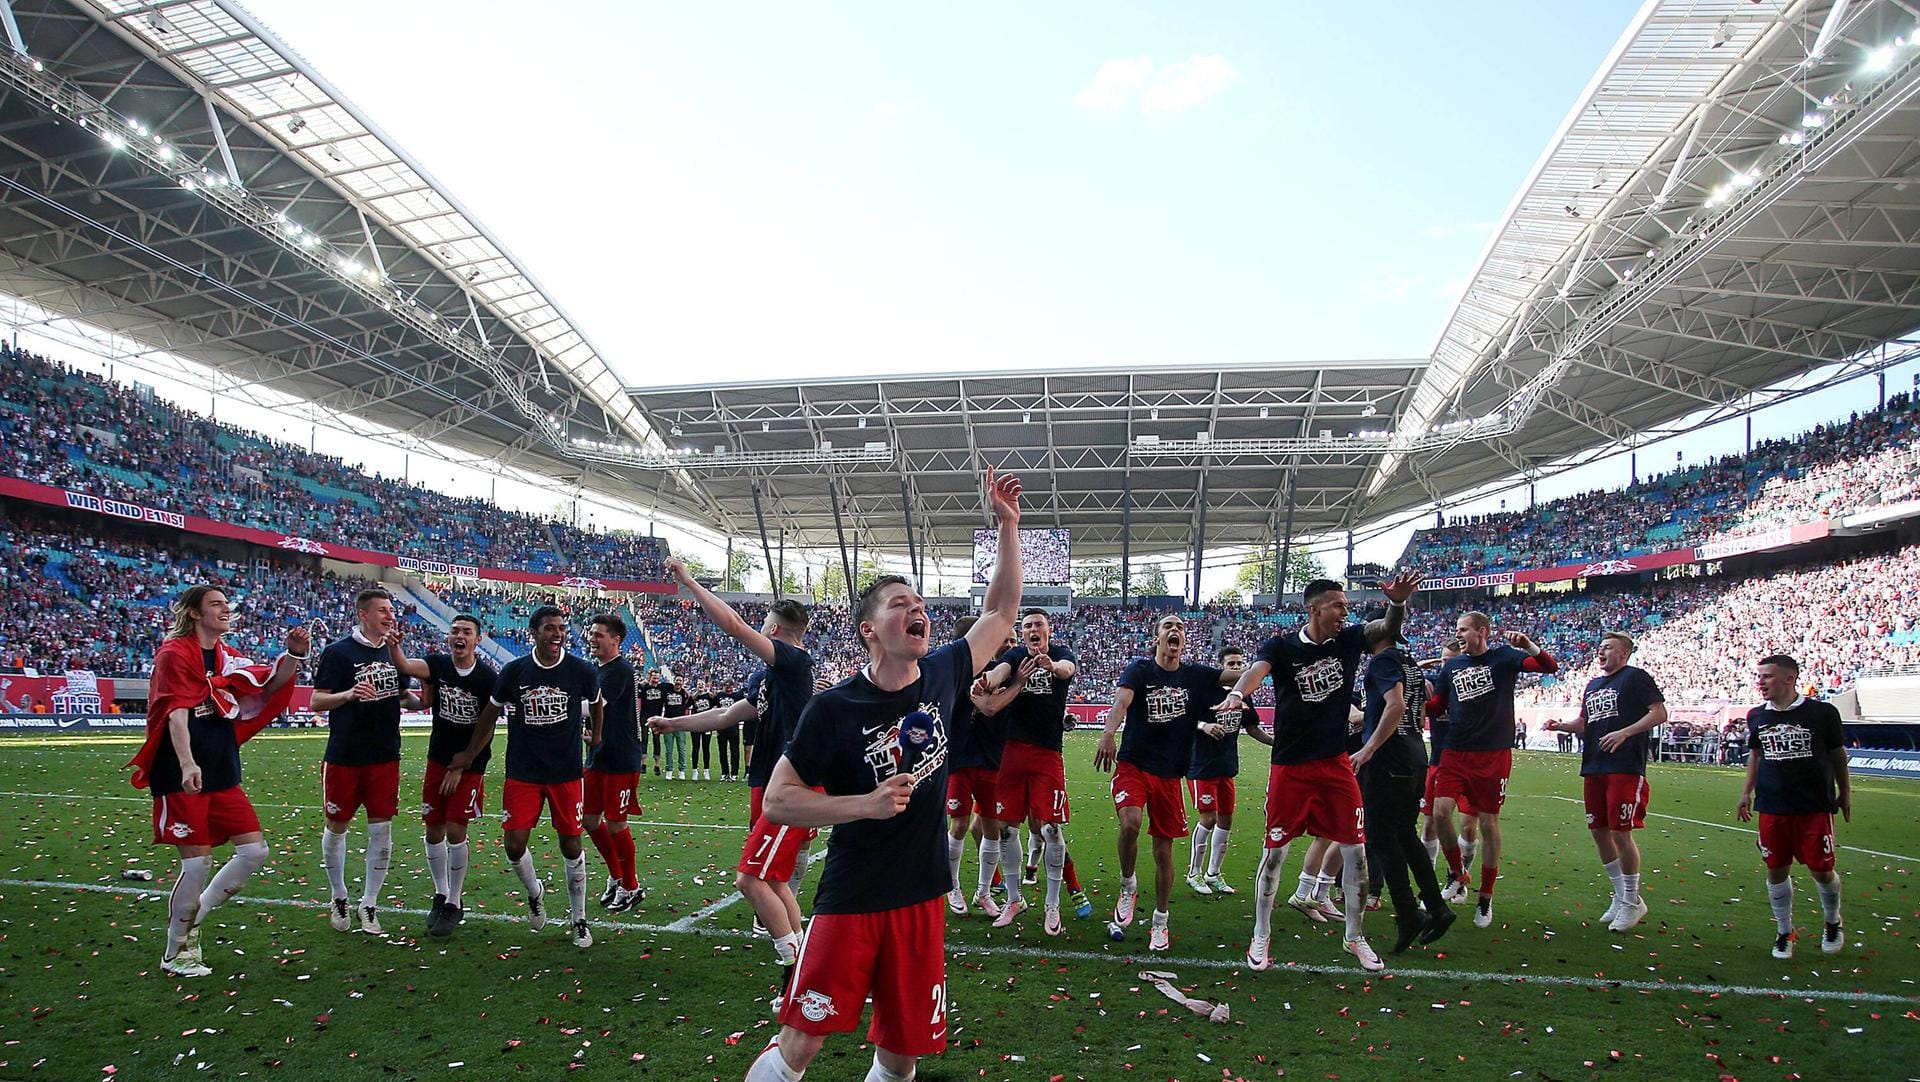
pixel 1868 460
pixel 70 429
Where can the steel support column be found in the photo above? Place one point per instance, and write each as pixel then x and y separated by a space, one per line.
pixel 1199 538
pixel 1286 543
pixel 760 519
pixel 1126 535
pixel 840 532
pixel 913 553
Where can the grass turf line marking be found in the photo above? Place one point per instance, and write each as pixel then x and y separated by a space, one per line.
pixel 310 807
pixel 686 923
pixel 1029 954
pixel 1745 830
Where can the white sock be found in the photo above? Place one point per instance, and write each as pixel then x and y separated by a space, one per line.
pixel 879 1073
pixel 1829 898
pixel 577 888
pixel 1780 896
pixel 787 947
pixel 333 854
pixel 1218 859
pixel 529 879
pixel 800 865
pixel 379 858
pixel 1159 918
pixel 1467 849
pixel 437 864
pixel 1631 885
pixel 247 860
pixel 989 863
pixel 1266 887
pixel 1034 838
pixel 772 1067
pixel 956 852
pixel 183 905
pixel 1197 850
pixel 1309 882
pixel 1433 851
pixel 457 857
pixel 1612 868
pixel 1013 861
pixel 1056 856
pixel 1322 886
pixel 1353 877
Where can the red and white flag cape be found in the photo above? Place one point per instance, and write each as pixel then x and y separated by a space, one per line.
pixel 180 682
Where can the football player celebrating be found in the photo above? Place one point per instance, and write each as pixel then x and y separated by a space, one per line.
pixel 357 685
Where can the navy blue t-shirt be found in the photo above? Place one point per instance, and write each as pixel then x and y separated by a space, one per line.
pixel 1038 714
pixel 1167 707
pixel 215 747
pixel 1391 672
pixel 1795 746
pixel 848 742
pixel 1221 758
pixel 985 737
pixel 457 698
pixel 653 700
pixel 675 703
pixel 622 739
pixel 1312 692
pixel 784 689
pixel 1615 702
pixel 361 733
pixel 546 713
pixel 1479 693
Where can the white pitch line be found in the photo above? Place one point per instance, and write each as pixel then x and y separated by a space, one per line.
pixel 686 923
pixel 1745 830
pixel 1030 954
pixel 310 807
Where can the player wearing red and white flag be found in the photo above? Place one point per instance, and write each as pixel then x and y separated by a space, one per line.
pixel 870 760
pixel 203 702
pixel 1796 779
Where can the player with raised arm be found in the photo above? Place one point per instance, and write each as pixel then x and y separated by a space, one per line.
pixel 1211 774
pixel 1392 768
pixel 769 858
pixel 1033 775
pixel 1435 709
pixel 356 683
pixel 870 760
pixel 1796 779
pixel 610 784
pixel 1477 686
pixel 971 767
pixel 1310 786
pixel 553 705
pixel 1162 700
pixel 203 702
pixel 1619 710
pixel 455 685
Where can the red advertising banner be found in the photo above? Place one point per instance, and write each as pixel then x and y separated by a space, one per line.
pixel 1778 537
pixel 82 501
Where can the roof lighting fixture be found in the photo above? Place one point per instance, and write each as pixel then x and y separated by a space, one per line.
pixel 137 127
pixel 38 66
pixel 1880 59
pixel 165 152
pixel 188 183
pixel 116 140
pixel 766 426
pixel 1744 180
pixel 309 240
pixel 1813 120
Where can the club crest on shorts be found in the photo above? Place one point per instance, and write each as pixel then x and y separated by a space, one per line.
pixel 180 830
pixel 815 1006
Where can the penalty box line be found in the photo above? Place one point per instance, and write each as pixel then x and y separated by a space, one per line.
pixel 310 807
pixel 684 927
pixel 1746 830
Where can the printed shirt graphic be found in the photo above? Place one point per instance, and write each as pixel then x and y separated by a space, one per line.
pixel 848 742
pixel 546 712
pixel 361 733
pixel 1168 707
pixel 1391 673
pixel 1795 747
pixel 456 708
pixel 1611 703
pixel 1312 692
pixel 1036 715
pixel 1479 694
pixel 1221 758
pixel 215 747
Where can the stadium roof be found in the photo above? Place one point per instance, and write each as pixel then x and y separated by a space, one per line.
pixel 1726 206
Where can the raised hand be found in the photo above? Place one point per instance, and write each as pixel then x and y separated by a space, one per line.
pixel 1403 585
pixel 1003 498
pixel 299 641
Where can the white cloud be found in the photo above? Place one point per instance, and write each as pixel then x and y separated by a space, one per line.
pixel 1115 84
pixel 1172 89
pixel 1187 84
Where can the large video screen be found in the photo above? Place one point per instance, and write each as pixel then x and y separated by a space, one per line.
pixel 1043 556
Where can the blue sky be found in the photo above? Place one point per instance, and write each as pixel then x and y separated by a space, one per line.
pixel 765 191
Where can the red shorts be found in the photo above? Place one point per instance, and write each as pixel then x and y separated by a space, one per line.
pixel 347 789
pixel 1616 801
pixel 1211 796
pixel 463 805
pixel 971 789
pixel 771 850
pixel 1475 778
pixel 1032 783
pixel 1462 804
pixel 755 794
pixel 1805 838
pixel 1166 811
pixel 899 956
pixel 1320 798
pixel 611 796
pixel 521 801
pixel 203 818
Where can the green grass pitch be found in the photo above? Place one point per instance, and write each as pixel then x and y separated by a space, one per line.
pixel 678 989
